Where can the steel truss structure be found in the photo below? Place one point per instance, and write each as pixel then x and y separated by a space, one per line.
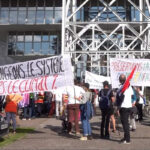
pixel 105 29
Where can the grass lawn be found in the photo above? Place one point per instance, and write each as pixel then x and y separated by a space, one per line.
pixel 10 138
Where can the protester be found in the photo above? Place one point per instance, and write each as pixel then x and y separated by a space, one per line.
pixel 75 94
pixel 87 111
pixel 140 103
pixel 112 114
pixel 48 96
pixel 125 108
pixel 133 111
pixel 105 98
pixel 39 102
pixel 27 109
pixel 58 93
pixel 64 115
pixel 94 97
pixel 11 109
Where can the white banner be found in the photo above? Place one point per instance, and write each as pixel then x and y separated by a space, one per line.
pixel 95 81
pixel 35 68
pixel 141 75
pixel 55 73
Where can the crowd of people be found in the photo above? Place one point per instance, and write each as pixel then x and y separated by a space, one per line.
pixel 76 103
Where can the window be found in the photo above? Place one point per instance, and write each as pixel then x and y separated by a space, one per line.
pixel 58 14
pixel 40 17
pixel 45 48
pixel 49 15
pixel 4 15
pixel 20 48
pixel 22 16
pixel 13 17
pixel 33 43
pixel 28 48
pixel 31 16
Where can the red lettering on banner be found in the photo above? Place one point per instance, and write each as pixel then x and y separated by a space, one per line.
pixel 32 84
pixel 53 84
pixel 45 83
pixel 40 85
pixel 20 86
pixel 13 87
pixel 9 87
pixel 29 80
pixel 3 89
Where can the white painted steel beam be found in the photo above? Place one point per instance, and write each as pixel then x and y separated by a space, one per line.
pixel 102 38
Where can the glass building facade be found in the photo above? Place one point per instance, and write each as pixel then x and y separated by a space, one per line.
pixel 33 43
pixel 32 27
pixel 30 11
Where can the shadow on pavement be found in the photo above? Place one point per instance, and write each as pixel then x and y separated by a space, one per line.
pixel 58 130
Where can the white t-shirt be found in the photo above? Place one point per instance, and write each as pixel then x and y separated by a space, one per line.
pixel 74 91
pixel 127 102
pixel 141 101
pixel 58 94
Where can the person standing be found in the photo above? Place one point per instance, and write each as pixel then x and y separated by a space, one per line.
pixel 87 112
pixel 75 94
pixel 105 97
pixel 140 103
pixel 39 102
pixel 58 94
pixel 125 108
pixel 11 109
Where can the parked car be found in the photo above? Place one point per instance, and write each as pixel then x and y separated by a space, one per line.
pixel 3 125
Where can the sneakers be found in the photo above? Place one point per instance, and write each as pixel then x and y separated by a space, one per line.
pixel 78 133
pixel 24 119
pixel 125 142
pixel 83 138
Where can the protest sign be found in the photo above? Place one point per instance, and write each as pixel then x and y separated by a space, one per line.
pixel 45 83
pixel 35 68
pixel 141 76
pixel 42 77
pixel 95 81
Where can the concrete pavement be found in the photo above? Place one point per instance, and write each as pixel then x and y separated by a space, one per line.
pixel 48 136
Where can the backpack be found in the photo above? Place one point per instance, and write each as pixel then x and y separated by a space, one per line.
pixel 104 102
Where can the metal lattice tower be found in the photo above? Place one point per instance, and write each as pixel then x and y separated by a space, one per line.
pixel 93 31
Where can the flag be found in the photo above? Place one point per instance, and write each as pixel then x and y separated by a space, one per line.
pixel 127 82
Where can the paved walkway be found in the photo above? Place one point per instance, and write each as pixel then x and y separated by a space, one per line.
pixel 47 136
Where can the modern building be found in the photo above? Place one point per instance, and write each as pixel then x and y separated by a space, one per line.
pixel 91 31
pixel 29 29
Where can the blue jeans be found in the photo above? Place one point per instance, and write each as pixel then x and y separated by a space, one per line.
pixel 86 127
pixel 27 112
pixel 85 121
pixel 11 116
